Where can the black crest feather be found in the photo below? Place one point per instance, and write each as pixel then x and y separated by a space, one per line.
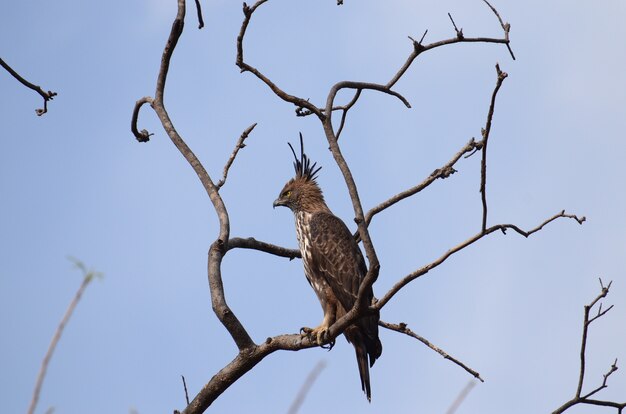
pixel 303 167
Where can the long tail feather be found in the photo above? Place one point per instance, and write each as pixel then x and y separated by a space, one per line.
pixel 364 371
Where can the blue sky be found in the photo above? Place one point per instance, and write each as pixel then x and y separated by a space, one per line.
pixel 75 182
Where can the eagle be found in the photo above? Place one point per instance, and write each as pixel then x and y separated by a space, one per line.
pixel 333 264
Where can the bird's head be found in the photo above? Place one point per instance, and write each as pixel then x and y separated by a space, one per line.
pixel 302 193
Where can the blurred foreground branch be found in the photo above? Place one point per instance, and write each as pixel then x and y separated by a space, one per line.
pixel 88 276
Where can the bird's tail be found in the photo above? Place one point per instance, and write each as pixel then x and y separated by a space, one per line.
pixel 364 370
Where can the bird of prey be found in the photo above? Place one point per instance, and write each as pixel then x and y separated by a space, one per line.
pixel 333 264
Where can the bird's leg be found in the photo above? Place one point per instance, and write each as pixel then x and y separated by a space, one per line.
pixel 320 333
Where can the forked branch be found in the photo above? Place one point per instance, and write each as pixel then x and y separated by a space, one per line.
pixel 579 398
pixel 501 227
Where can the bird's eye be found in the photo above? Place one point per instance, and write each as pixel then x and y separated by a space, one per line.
pixel 287 194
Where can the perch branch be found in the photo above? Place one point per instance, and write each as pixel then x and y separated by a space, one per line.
pixel 402 328
pixel 47 96
pixel 240 144
pixel 502 227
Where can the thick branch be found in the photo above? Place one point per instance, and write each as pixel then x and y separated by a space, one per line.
pixel 402 328
pixel 218 248
pixel 47 96
pixel 245 360
pixel 502 227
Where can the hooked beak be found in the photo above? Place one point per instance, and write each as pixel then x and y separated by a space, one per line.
pixel 278 202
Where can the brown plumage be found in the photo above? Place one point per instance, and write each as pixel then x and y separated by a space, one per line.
pixel 333 264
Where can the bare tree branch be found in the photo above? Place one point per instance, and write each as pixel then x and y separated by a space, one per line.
pixel 143 135
pixel 240 144
pixel 218 248
pixel 402 328
pixel 252 243
pixel 505 26
pixel 47 96
pixel 199 12
pixel 306 387
pixel 88 276
pixel 485 133
pixel 250 353
pixel 299 102
pixel 345 110
pixel 440 173
pixel 584 399
pixel 185 387
pixel 502 227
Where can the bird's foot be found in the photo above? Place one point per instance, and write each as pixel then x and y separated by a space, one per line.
pixel 319 335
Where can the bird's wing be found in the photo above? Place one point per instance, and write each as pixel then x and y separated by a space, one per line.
pixel 336 257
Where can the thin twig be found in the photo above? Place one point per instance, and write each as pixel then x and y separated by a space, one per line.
pixel 248 11
pixel 47 96
pixel 440 173
pixel 505 26
pixel 306 387
pixel 402 328
pixel 459 32
pixel 88 276
pixel 240 144
pixel 185 386
pixel 199 12
pixel 345 110
pixel 485 132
